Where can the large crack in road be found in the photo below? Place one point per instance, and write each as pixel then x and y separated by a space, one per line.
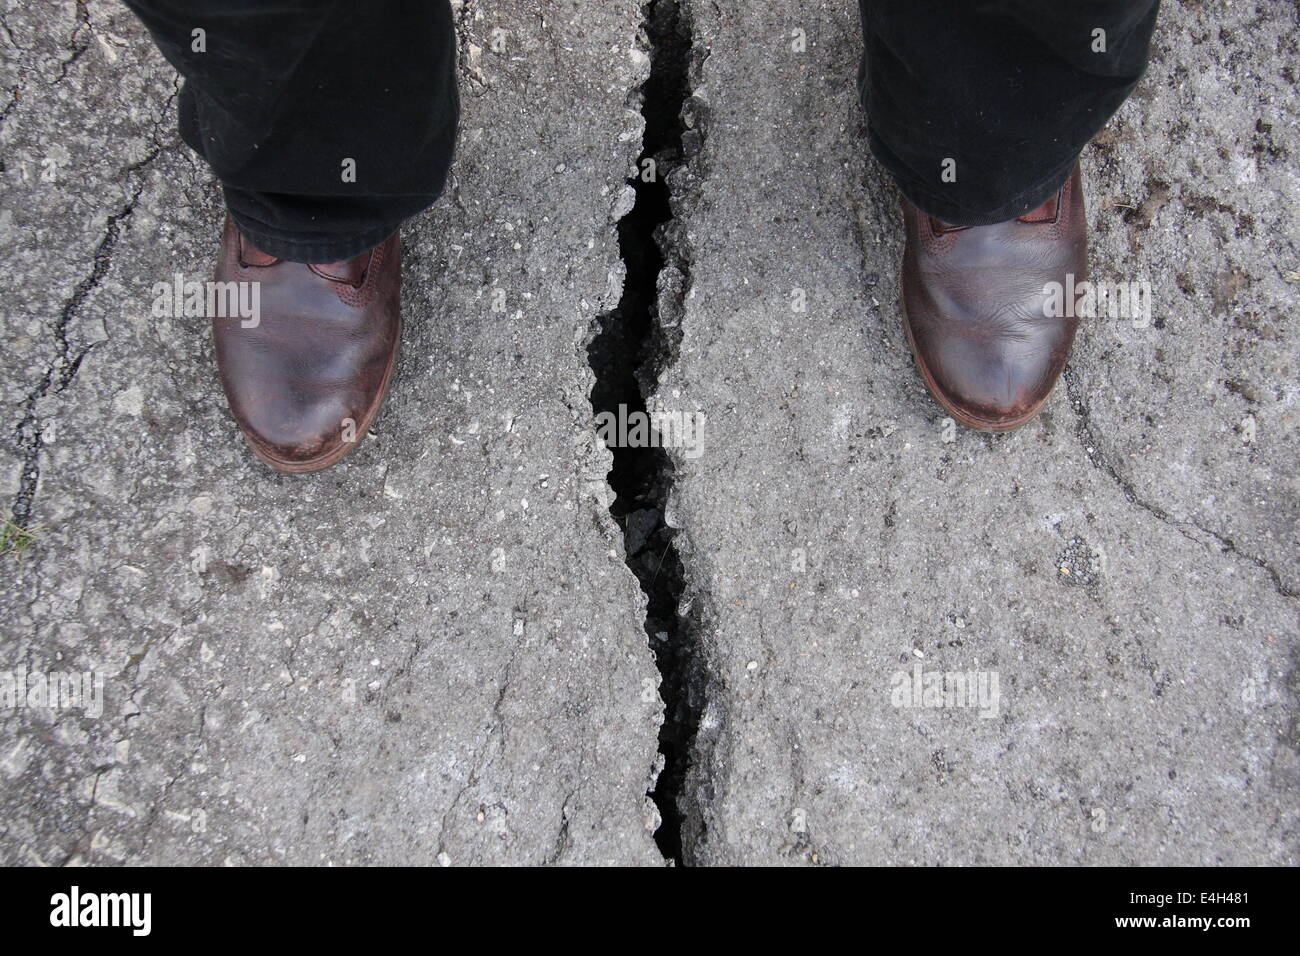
pixel 626 355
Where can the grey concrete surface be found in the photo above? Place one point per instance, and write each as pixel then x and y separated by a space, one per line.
pixel 431 654
pixel 1125 565
pixel 434 653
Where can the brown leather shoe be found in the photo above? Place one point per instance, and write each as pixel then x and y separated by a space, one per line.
pixel 306 379
pixel 976 311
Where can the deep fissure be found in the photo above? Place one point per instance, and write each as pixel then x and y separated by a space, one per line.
pixel 626 355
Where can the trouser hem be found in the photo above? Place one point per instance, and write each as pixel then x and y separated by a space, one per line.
pixel 297 249
pixel 998 209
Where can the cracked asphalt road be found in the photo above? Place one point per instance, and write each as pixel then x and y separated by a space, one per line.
pixel 435 653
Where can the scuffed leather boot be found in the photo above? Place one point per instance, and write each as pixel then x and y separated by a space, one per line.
pixel 307 377
pixel 979 318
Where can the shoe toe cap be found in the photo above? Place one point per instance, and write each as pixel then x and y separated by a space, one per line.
pixel 999 384
pixel 994 380
pixel 298 428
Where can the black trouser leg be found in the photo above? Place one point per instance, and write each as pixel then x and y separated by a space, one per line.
pixel 979 108
pixel 328 122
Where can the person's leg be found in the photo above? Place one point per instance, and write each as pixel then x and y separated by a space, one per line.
pixel 979 109
pixel 327 123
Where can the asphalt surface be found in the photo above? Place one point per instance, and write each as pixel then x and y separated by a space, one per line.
pixel 436 653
